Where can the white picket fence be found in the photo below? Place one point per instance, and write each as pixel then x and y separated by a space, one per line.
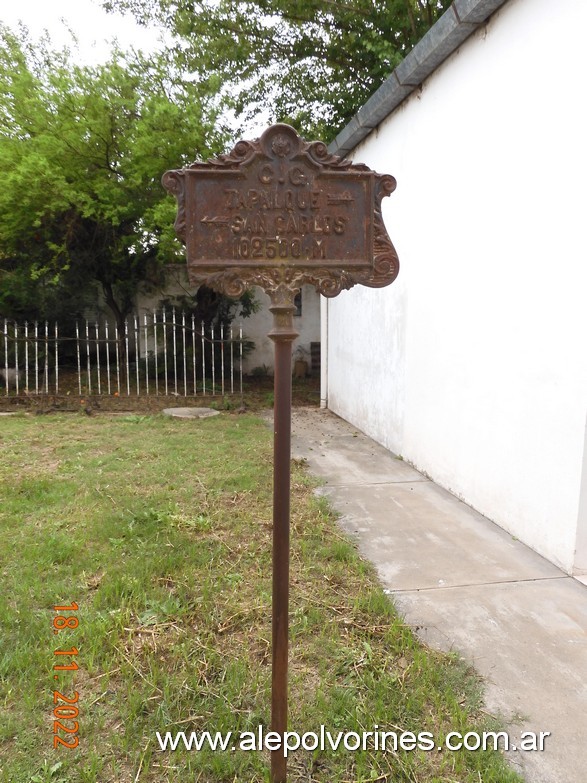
pixel 161 354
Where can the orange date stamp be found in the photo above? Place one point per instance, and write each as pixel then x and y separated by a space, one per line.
pixel 66 711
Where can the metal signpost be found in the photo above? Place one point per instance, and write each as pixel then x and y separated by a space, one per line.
pixel 279 212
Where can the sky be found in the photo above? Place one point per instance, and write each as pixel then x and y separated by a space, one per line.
pixel 94 28
pixel 92 25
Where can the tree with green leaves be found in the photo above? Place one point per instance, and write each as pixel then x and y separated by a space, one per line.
pixel 312 63
pixel 82 151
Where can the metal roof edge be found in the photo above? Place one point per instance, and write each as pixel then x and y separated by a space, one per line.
pixel 457 23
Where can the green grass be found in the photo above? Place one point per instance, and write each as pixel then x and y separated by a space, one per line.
pixel 160 530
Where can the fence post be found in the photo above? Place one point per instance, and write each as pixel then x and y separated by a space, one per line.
pixel 222 356
pixel 16 358
pixel 98 357
pixel 6 353
pixel 56 358
pixel 36 357
pixel 174 349
pixel 107 336
pixel 231 362
pixel 88 358
pixel 165 349
pixel 117 344
pixel 137 354
pixel 79 364
pixel 203 361
pixel 213 361
pixel 156 359
pixel 26 357
pixel 146 354
pixel 46 357
pixel 241 356
pixel 185 369
pixel 127 357
pixel 194 350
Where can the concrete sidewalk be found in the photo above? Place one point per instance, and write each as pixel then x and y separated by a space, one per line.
pixel 467 586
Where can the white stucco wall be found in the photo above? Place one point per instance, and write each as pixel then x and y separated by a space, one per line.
pixel 473 364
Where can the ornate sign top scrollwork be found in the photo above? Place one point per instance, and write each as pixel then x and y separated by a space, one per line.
pixel 280 212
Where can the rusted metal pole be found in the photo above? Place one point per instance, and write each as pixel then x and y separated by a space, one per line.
pixel 287 177
pixel 283 334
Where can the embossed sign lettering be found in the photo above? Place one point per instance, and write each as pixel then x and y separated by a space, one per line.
pixel 279 207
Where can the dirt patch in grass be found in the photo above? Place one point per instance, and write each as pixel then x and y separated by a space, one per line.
pixel 257 396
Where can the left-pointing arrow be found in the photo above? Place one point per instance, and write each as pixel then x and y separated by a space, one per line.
pixel 218 219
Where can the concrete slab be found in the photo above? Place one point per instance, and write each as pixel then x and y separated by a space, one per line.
pixel 420 536
pixel 466 585
pixel 529 641
pixel 341 455
pixel 190 413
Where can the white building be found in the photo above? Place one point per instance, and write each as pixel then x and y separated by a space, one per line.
pixel 257 326
pixel 473 365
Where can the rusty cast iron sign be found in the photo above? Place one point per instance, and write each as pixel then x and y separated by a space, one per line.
pixel 280 210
